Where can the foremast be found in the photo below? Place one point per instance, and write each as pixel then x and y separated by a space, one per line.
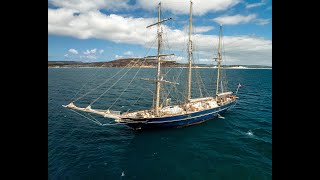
pixel 159 78
pixel 189 56
pixel 218 59
pixel 158 84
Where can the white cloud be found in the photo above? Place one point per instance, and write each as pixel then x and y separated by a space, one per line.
pixel 86 52
pixel 248 50
pixel 91 54
pixel 73 51
pixel 129 30
pixel 88 5
pixel 248 6
pixel 262 21
pixel 240 19
pixel 94 24
pixel 175 6
pixel 182 6
pixel 66 55
pixel 202 29
pixel 128 53
pixel 238 49
pixel 117 56
pixel 92 51
pixel 179 59
pixel 236 19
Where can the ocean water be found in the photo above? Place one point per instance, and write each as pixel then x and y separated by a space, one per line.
pixel 237 147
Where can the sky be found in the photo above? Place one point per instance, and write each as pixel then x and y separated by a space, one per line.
pixel 104 30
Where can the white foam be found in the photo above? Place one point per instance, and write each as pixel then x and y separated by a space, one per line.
pixel 249 133
pixel 122 174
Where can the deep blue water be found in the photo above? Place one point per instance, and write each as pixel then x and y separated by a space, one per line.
pixel 237 147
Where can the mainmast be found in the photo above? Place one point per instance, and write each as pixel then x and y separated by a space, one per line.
pixel 189 55
pixel 219 59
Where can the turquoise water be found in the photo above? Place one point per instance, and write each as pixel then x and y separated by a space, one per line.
pixel 237 147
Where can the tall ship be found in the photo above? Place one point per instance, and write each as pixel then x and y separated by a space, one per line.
pixel 190 111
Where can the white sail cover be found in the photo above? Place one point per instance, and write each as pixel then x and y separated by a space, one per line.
pixel 105 113
pixel 171 110
pixel 224 94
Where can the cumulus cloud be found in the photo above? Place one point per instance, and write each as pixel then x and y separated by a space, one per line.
pixel 91 53
pixel 73 51
pixel 262 21
pixel 179 59
pixel 129 30
pixel 240 19
pixel 117 56
pixel 90 56
pixel 175 6
pixel 202 29
pixel 94 24
pixel 128 53
pixel 235 19
pixel 182 6
pixel 237 49
pixel 248 6
pixel 248 50
pixel 88 5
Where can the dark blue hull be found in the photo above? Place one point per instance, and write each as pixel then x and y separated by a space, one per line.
pixel 179 120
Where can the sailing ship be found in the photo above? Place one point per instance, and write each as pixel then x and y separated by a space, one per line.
pixel 189 112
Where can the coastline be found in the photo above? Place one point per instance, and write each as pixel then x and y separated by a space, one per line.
pixel 124 63
pixel 163 67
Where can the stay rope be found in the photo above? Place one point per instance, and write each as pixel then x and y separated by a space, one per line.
pixel 102 83
pixel 107 80
pixel 128 85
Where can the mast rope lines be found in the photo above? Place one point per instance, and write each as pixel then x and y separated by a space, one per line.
pixel 107 80
pixel 94 119
pixel 172 87
pixel 94 76
pixel 120 79
pixel 112 85
pixel 128 84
